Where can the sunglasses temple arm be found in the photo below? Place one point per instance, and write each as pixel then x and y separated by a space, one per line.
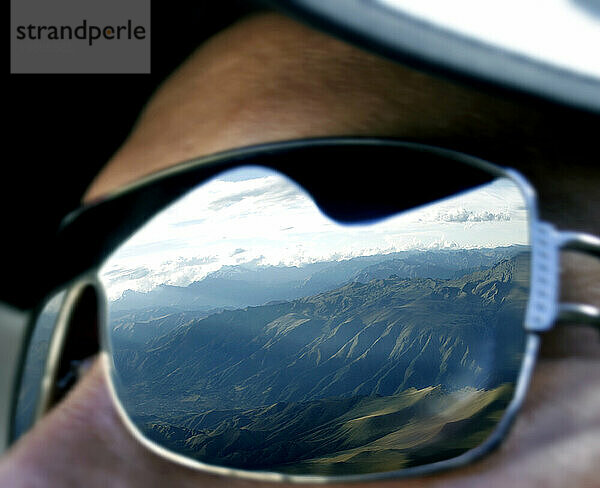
pixel 576 312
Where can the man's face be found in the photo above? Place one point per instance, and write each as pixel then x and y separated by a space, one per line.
pixel 268 79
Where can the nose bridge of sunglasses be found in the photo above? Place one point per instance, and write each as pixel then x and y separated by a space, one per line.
pixel 75 339
pixel 544 309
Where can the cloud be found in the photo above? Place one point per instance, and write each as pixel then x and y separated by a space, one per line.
pixel 196 261
pixel 114 272
pixel 187 223
pixel 239 250
pixel 464 215
pixel 273 192
pixel 145 248
pixel 258 261
pixel 124 274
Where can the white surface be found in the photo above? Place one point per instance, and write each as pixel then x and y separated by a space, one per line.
pixel 562 33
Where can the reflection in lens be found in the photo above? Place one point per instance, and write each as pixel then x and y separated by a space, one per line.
pixel 35 363
pixel 248 330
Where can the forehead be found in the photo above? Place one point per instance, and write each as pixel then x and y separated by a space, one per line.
pixel 269 78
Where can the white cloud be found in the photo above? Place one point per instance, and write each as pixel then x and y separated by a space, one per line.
pixel 464 215
pixel 269 219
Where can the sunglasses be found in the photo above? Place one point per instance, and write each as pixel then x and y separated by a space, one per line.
pixel 312 310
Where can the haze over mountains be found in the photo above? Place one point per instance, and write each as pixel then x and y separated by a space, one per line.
pixel 247 284
pixel 369 364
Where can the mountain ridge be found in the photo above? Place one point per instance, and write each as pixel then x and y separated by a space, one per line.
pixel 380 374
pixel 241 285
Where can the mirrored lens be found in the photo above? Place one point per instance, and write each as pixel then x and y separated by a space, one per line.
pixel 249 330
pixel 35 365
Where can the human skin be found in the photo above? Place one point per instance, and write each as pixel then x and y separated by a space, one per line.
pixel 268 78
